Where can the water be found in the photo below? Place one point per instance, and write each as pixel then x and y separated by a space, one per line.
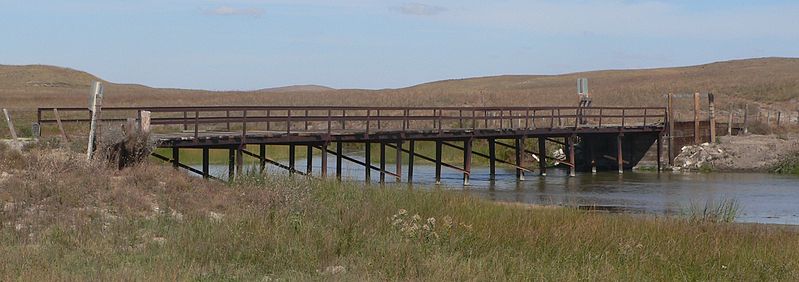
pixel 764 198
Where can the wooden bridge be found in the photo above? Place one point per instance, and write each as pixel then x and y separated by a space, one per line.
pixel 603 138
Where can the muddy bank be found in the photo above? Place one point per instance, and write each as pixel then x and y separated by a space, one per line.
pixel 755 153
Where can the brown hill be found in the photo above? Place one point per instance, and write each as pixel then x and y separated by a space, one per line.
pixel 772 81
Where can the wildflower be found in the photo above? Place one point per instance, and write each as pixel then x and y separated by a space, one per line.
pixel 426 227
pixel 402 212
pixel 448 221
pixel 431 221
pixel 416 217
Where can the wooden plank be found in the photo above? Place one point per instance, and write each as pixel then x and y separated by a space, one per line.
pixel 60 125
pixel 10 125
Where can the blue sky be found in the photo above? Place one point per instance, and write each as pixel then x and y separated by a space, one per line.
pixel 252 44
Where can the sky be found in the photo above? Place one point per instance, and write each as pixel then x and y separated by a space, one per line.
pixel 254 44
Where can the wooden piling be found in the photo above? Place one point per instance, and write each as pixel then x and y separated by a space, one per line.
pixel 572 168
pixel 292 158
pixel 519 150
pixel 730 121
pixel 542 156
pixel 398 161
pixel 367 158
pixel 309 159
pixel 206 161
pixel 712 117
pixel 670 117
pixel 382 162
pixel 411 155
pixel 467 160
pixel 697 137
pixel 746 119
pixel 262 157
pixel 10 124
pixel 659 150
pixel 438 161
pixel 339 151
pixel 175 157
pixel 492 159
pixel 324 160
pixel 231 169
pixel 619 155
pixel 240 159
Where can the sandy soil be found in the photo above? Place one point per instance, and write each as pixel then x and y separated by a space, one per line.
pixel 739 153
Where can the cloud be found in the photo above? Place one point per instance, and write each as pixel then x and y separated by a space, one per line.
pixel 418 9
pixel 231 11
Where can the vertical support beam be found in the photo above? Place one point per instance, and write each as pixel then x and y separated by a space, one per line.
pixel 262 157
pixel 382 162
pixel 411 155
pixel 240 159
pixel 660 151
pixel 542 156
pixel 339 150
pixel 697 138
pixel 206 161
pixel 438 161
pixel 467 160
pixel 95 107
pixel 492 158
pixel 730 121
pixel 292 155
pixel 712 118
pixel 746 119
pixel 399 161
pixel 573 167
pixel 231 169
pixel 671 129
pixel 367 159
pixel 592 149
pixel 324 159
pixel 519 152
pixel 13 131
pixel 619 155
pixel 175 157
pixel 309 159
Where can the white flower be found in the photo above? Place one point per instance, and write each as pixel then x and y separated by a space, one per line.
pixel 431 220
pixel 402 212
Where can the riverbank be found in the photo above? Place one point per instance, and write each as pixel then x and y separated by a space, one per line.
pixel 67 219
pixel 749 153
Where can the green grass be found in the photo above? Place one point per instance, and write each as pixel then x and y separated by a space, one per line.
pixel 65 219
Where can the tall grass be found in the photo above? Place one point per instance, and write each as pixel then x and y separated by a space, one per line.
pixel 717 211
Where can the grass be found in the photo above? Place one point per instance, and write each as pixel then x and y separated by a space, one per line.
pixel 66 219
pixel 789 165
pixel 724 210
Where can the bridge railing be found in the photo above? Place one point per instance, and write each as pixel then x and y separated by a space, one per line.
pixel 342 119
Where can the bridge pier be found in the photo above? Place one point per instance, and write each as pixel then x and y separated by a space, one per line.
pixel 519 153
pixel 382 162
pixel 467 160
pixel 542 156
pixel 572 164
pixel 368 161
pixel 619 155
pixel 492 158
pixel 411 155
pixel 660 150
pixel 324 160
pixel 239 159
pixel 175 157
pixel 309 159
pixel 339 150
pixel 292 156
pixel 206 161
pixel 231 164
pixel 398 161
pixel 438 161
pixel 262 157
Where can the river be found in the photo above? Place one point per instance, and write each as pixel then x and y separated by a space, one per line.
pixel 763 198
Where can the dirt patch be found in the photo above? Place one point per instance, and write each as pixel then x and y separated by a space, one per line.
pixel 738 153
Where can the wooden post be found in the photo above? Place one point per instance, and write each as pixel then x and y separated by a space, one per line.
pixel 175 157
pixel 398 161
pixel 309 159
pixel 746 119
pixel 671 129
pixel 572 168
pixel 145 121
pixel 382 162
pixel 11 125
pixel 60 125
pixel 324 159
pixel 492 158
pixel 467 160
pixel 712 109
pixel 542 156
pixel 592 149
pixel 438 161
pixel 730 120
pixel 367 158
pixel 619 155
pixel 292 156
pixel 262 157
pixel 231 167
pixel 779 118
pixel 240 159
pixel 660 151
pixel 206 161
pixel 339 151
pixel 95 106
pixel 519 152
pixel 697 137
pixel 411 155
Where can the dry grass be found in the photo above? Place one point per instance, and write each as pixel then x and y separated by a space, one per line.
pixel 65 219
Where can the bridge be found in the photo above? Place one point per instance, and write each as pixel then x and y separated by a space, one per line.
pixel 595 138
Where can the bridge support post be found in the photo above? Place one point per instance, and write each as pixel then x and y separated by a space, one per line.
pixel 438 161
pixel 411 153
pixel 573 167
pixel 231 164
pixel 382 162
pixel 175 157
pixel 292 155
pixel 367 158
pixel 519 153
pixel 492 158
pixel 467 160
pixel 399 161
pixel 309 160
pixel 339 150
pixel 542 156
pixel 660 150
pixel 324 160
pixel 619 155
pixel 239 159
pixel 592 149
pixel 206 161
pixel 262 157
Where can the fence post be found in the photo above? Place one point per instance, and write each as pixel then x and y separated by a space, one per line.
pixel 730 120
pixel 746 119
pixel 697 138
pixel 10 125
pixel 95 106
pixel 712 118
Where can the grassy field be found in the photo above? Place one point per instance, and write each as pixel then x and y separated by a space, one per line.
pixel 66 219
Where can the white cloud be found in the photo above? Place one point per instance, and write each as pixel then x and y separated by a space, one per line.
pixel 418 9
pixel 232 11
